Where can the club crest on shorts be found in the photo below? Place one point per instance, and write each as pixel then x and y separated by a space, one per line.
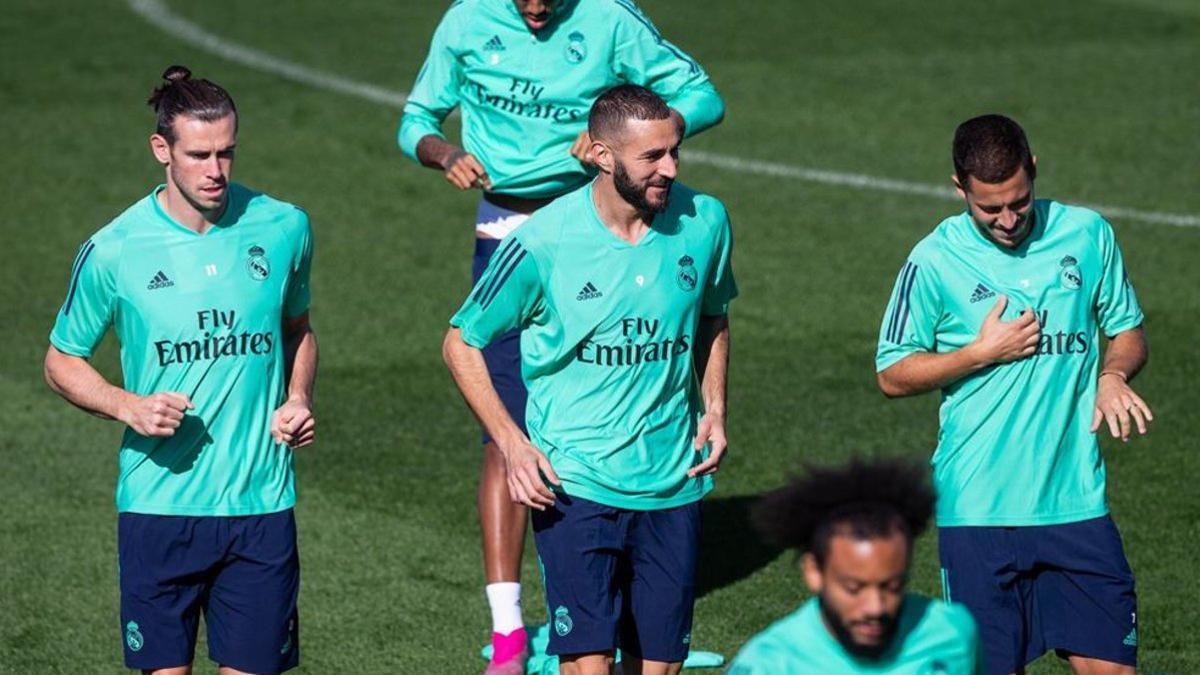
pixel 133 637
pixel 257 264
pixel 562 621
pixel 687 275
pixel 1069 275
pixel 576 50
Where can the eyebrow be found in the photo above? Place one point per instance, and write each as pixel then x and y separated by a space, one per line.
pixel 1019 201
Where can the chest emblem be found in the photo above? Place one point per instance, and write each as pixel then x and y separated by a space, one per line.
pixel 589 292
pixel 686 275
pixel 981 293
pixel 257 265
pixel 576 50
pixel 1070 276
pixel 159 280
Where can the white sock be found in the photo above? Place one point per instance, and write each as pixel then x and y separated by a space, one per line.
pixel 505 600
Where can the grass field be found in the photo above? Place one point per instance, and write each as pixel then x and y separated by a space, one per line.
pixel 392 572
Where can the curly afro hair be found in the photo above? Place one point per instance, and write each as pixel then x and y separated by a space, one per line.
pixel 864 499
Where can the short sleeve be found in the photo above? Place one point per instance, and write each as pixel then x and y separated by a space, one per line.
pixel 755 659
pixel 1117 308
pixel 910 320
pixel 436 92
pixel 299 295
pixel 507 295
pixel 721 288
pixel 87 311
pixel 643 56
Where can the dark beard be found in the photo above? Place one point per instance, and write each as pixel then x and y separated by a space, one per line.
pixel 635 196
pixel 834 623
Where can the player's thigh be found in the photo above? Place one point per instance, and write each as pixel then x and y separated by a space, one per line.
pixel 664 546
pixel 579 546
pixel 252 619
pixel 982 570
pixel 1086 594
pixel 164 569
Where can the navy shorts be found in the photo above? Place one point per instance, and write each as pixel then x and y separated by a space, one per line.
pixel 503 355
pixel 1032 589
pixel 242 572
pixel 618 578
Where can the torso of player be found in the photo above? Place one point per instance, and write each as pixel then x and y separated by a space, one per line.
pixel 1056 274
pixel 530 94
pixel 193 300
pixel 933 638
pixel 628 312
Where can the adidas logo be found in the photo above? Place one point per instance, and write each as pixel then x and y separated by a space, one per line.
pixel 1131 639
pixel 982 293
pixel 589 291
pixel 160 280
pixel 493 45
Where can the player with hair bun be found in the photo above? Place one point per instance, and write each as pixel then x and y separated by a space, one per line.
pixel 206 285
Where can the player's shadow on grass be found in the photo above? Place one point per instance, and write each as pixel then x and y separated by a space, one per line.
pixel 731 549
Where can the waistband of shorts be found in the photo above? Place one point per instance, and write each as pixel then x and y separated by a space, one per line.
pixel 525 205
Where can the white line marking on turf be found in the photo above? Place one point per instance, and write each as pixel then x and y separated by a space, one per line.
pixel 158 14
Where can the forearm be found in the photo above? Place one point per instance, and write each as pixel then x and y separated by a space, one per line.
pixel 712 362
pixel 1127 354
pixel 699 107
pixel 75 379
pixel 436 152
pixel 301 368
pixel 470 373
pixel 927 371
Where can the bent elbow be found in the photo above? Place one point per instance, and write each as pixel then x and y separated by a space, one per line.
pixel 889 386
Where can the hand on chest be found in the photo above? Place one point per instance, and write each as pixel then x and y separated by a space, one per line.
pixel 1058 286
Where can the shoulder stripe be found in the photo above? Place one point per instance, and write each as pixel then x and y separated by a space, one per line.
pixel 500 284
pixel 693 67
pixel 499 256
pixel 80 259
pixel 900 311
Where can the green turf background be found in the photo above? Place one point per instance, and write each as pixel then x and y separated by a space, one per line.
pixel 1110 95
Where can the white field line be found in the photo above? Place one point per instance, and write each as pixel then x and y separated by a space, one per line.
pixel 158 14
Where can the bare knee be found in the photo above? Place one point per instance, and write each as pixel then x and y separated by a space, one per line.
pixel 586 664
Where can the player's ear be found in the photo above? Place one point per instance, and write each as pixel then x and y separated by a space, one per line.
pixel 602 156
pixel 958 187
pixel 161 149
pixel 812 573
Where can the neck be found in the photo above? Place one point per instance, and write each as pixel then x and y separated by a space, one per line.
pixel 618 215
pixel 186 213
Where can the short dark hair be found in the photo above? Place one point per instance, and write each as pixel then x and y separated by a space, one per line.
pixel 621 103
pixel 182 95
pixel 991 148
pixel 863 499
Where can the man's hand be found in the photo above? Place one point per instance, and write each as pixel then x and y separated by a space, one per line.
pixel 582 148
pixel 293 423
pixel 1004 341
pixel 157 415
pixel 464 171
pixel 526 465
pixel 711 430
pixel 1119 407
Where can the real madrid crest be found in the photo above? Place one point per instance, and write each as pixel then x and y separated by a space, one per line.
pixel 1069 275
pixel 257 264
pixel 576 50
pixel 562 621
pixel 686 276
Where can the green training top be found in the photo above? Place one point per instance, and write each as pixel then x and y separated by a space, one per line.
pixel 1015 446
pixel 932 638
pixel 608 340
pixel 525 97
pixel 200 315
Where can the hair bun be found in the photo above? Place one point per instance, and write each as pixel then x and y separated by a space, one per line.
pixel 176 74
